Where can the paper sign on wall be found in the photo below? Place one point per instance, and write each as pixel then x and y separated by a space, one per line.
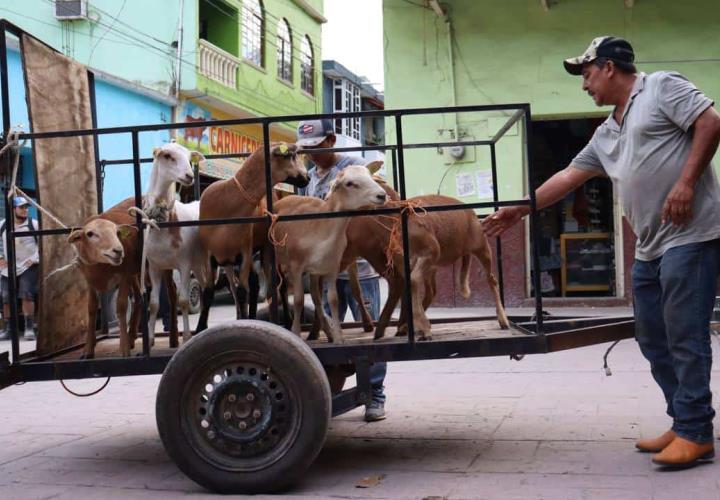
pixel 484 184
pixel 464 185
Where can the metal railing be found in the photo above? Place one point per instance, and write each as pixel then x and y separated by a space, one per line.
pixel 520 114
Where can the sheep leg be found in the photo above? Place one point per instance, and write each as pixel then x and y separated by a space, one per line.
pixel 208 297
pixel 295 277
pixel 155 283
pixel 172 306
pixel 89 351
pixel 420 321
pixel 136 312
pixel 232 284
pixel 244 276
pixel 319 319
pixel 485 257
pixel 122 304
pixel 358 296
pixel 394 292
pixel 335 332
pixel 184 301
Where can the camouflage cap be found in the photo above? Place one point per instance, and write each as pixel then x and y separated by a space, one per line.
pixel 610 47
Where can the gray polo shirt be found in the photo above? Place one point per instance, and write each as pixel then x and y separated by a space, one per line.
pixel 645 156
pixel 319 187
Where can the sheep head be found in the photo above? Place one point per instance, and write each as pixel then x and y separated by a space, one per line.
pixel 174 163
pixel 355 188
pixel 99 242
pixel 286 166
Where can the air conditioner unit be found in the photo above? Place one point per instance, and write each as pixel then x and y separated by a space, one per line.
pixel 68 10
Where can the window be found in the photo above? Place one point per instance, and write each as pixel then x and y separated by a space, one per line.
pixel 307 66
pixel 284 51
pixel 346 97
pixel 253 29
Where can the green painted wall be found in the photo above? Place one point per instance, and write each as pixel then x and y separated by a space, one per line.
pixel 259 90
pixel 506 51
pixel 222 25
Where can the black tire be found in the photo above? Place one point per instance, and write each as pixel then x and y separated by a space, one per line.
pixel 195 296
pixel 228 441
pixel 308 313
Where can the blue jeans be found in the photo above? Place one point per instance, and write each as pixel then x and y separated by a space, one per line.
pixel 674 297
pixel 371 294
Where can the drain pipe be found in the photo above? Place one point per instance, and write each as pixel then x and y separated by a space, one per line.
pixel 178 59
pixel 437 8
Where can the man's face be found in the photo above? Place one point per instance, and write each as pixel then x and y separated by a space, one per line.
pixel 21 212
pixel 323 158
pixel 596 81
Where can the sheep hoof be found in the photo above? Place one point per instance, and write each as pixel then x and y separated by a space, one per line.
pixel 368 327
pixel 174 341
pixel 402 331
pixel 87 355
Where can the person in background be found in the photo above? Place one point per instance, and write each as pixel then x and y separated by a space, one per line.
pixel 27 258
pixel 319 134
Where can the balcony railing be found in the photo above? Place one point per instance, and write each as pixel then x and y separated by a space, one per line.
pixel 217 64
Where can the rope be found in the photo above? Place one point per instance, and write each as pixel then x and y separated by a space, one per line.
pixel 395 246
pixel 87 394
pixel 276 243
pixel 150 224
pixel 244 192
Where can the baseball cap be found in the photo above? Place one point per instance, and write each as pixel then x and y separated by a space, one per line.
pixel 616 49
pixel 313 132
pixel 19 201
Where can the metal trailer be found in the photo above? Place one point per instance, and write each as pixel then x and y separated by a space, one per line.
pixel 244 407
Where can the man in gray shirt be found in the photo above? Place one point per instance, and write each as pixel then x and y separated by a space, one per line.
pixel 320 134
pixel 656 147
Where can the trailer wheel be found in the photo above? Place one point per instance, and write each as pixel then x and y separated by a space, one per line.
pixel 244 407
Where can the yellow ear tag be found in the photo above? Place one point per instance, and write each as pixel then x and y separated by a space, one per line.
pixel 283 148
pixel 124 232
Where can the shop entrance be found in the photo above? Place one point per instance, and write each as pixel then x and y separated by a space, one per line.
pixel 577 243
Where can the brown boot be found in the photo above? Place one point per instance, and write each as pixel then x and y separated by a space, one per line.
pixel 684 453
pixel 655 445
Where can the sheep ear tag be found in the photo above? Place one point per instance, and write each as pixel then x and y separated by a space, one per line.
pixel 123 232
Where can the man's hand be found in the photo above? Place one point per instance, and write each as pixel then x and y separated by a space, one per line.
pixel 678 204
pixel 3 264
pixel 502 220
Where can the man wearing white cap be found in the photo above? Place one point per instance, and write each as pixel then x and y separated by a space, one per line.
pixel 320 134
pixel 656 147
pixel 27 257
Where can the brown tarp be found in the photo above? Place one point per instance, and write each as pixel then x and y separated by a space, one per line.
pixel 58 97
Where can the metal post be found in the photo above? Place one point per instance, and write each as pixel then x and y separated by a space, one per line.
pixel 12 321
pixel 196 174
pixel 534 224
pixel 268 193
pixel 395 169
pixel 405 237
pixel 96 143
pixel 144 299
pixel 498 243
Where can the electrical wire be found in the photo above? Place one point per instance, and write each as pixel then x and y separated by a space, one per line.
pixel 106 31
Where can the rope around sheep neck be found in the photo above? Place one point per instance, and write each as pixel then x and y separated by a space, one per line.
pixel 150 224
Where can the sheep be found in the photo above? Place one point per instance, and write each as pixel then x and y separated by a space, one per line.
pixel 316 246
pixel 176 247
pixel 240 196
pixel 436 239
pixel 95 246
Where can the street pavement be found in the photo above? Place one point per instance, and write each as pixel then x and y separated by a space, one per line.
pixel 548 427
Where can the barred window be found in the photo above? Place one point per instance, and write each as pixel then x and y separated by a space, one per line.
pixel 307 66
pixel 253 32
pixel 284 51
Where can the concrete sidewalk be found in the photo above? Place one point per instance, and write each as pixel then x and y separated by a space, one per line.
pixel 549 427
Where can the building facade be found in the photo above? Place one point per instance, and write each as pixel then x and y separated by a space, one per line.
pixel 181 60
pixel 466 52
pixel 346 92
